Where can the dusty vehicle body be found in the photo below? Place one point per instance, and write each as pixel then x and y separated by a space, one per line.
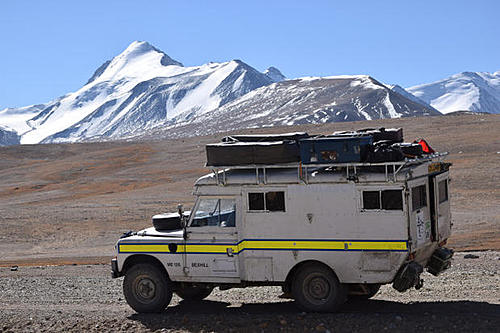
pixel 322 232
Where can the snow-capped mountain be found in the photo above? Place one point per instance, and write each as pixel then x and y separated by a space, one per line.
pixel 138 90
pixel 143 91
pixel 467 91
pixel 274 74
pixel 302 101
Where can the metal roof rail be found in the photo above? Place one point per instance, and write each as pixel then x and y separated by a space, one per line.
pixel 303 169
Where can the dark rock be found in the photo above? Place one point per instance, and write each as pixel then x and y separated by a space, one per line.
pixel 471 256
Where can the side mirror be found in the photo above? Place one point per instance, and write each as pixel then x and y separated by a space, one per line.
pixel 180 210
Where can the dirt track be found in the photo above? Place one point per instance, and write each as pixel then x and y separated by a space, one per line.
pixel 84 298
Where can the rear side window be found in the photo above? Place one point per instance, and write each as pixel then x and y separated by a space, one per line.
pixel 383 200
pixel 273 201
pixel 418 197
pixel 371 199
pixel 443 191
pixel 256 201
pixel 392 200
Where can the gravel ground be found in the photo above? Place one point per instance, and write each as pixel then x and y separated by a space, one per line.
pixel 85 298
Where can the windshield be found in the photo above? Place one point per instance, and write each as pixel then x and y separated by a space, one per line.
pixel 215 212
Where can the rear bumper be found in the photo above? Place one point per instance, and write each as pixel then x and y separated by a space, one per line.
pixel 114 269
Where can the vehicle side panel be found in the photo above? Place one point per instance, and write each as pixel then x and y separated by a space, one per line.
pixel 322 222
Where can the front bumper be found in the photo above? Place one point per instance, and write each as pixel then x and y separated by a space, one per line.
pixel 114 269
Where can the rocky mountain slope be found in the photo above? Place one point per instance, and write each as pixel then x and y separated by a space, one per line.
pixel 8 136
pixel 310 100
pixel 467 91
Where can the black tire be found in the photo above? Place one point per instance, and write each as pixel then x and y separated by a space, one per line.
pixel 316 288
pixel 373 289
pixel 191 292
pixel 146 288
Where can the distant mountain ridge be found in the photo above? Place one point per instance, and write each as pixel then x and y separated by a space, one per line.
pixel 466 91
pixel 310 100
pixel 143 91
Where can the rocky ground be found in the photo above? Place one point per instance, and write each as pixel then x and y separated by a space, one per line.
pixel 465 298
pixel 68 203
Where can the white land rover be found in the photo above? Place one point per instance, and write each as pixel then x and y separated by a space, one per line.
pixel 323 233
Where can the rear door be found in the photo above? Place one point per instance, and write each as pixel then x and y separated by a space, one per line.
pixel 442 204
pixel 419 213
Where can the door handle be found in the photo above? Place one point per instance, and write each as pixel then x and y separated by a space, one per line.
pixel 229 252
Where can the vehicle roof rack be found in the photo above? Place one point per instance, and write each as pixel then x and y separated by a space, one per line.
pixel 351 168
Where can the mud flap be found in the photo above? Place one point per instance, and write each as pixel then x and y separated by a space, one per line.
pixel 408 276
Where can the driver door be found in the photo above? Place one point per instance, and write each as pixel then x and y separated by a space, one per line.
pixel 211 244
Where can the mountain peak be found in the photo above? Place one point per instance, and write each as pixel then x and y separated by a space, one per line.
pixel 274 74
pixel 139 48
pixel 137 51
pixel 471 91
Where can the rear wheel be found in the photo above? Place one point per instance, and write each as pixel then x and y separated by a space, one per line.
pixel 146 288
pixel 316 288
pixel 190 292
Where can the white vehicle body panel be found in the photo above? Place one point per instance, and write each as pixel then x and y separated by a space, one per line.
pixel 323 220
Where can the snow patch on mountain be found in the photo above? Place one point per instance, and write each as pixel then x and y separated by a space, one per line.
pixel 467 91
pixel 16 118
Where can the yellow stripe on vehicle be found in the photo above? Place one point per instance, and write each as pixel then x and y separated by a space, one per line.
pixel 302 245
pixel 148 248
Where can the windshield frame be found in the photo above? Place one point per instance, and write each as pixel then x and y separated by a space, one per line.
pixel 217 197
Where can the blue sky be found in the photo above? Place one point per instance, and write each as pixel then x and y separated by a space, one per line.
pixel 49 48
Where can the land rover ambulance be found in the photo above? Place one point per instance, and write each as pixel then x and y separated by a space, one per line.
pixel 323 233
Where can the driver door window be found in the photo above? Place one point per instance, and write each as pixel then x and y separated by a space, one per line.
pixel 215 212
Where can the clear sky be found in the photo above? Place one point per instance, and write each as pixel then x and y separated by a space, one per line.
pixel 50 48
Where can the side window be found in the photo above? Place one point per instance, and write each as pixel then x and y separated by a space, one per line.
pixel 443 191
pixel 371 199
pixel 392 200
pixel 383 200
pixel 418 197
pixel 256 201
pixel 273 201
pixel 215 212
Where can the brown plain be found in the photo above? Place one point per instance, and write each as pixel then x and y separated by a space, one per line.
pixel 69 203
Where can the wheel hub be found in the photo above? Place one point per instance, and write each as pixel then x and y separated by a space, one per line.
pixel 146 288
pixel 319 288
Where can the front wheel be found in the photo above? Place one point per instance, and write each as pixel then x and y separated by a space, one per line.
pixel 146 288
pixel 191 292
pixel 316 288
